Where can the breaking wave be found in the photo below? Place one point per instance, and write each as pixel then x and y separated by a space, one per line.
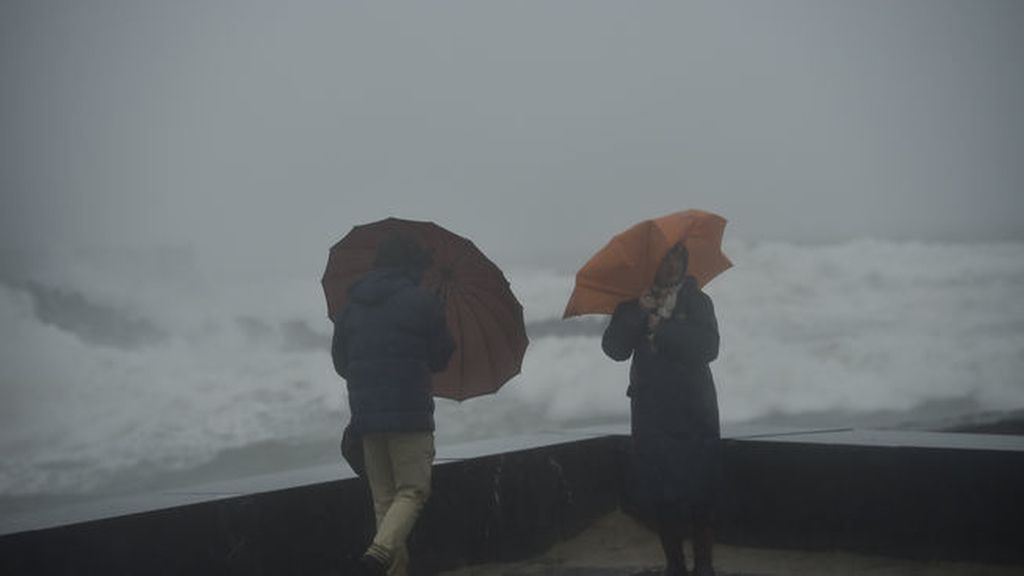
pixel 116 385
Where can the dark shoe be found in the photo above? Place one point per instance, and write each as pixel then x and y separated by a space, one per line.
pixel 371 566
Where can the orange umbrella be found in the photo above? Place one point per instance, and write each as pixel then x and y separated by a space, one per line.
pixel 483 315
pixel 625 267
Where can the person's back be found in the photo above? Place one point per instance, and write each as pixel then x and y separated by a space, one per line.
pixel 392 337
pixel 388 341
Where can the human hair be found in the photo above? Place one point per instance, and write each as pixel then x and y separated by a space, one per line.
pixel 401 251
pixel 679 250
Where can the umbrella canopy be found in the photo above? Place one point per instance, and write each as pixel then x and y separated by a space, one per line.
pixel 483 315
pixel 626 266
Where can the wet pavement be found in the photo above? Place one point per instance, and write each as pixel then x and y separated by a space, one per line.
pixel 617 546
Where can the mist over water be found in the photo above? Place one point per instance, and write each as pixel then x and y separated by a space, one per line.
pixel 117 380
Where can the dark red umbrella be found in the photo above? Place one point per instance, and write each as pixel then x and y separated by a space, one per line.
pixel 483 315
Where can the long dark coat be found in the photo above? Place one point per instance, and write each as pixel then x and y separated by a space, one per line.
pixel 676 457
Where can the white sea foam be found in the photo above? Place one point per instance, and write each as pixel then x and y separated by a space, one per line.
pixel 858 327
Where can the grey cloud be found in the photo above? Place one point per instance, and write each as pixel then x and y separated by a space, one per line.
pixel 797 119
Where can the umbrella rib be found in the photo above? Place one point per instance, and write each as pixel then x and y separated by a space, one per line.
pixel 487 345
pixel 461 338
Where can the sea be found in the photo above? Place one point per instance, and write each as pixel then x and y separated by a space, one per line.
pixel 128 376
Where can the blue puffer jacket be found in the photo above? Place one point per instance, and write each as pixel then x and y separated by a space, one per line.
pixel 388 341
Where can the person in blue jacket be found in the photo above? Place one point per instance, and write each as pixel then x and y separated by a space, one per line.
pixel 388 341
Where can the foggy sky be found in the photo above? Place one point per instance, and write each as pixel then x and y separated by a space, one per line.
pixel 256 133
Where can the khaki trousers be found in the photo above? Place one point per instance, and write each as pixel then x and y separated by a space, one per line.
pixel 398 470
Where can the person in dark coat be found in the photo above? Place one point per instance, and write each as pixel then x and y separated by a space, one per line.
pixel 388 341
pixel 672 335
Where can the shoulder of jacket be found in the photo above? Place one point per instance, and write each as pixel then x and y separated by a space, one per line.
pixel 703 304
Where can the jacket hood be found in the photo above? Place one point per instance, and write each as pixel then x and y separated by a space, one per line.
pixel 379 285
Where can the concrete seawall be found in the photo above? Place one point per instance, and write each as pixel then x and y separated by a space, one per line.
pixel 921 495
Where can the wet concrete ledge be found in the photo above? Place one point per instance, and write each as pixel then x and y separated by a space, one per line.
pixel 923 495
